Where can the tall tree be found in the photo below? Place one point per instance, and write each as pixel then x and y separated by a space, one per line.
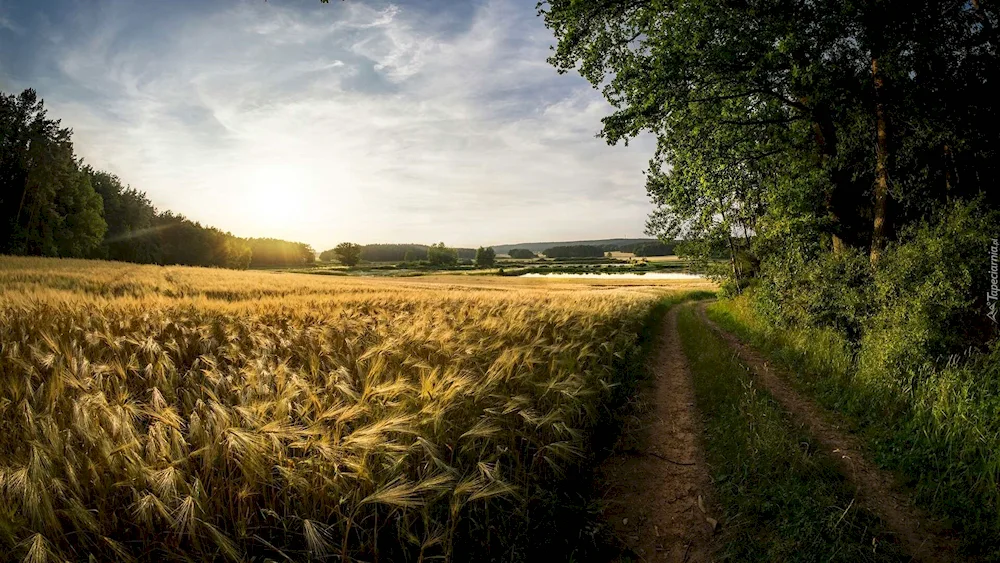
pixel 440 255
pixel 485 257
pixel 766 111
pixel 348 253
pixel 47 204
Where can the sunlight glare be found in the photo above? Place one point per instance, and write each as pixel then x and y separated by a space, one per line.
pixel 275 195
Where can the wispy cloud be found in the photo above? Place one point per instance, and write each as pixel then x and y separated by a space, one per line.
pixel 6 23
pixel 346 122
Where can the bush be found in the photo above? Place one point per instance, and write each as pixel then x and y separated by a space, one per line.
pixel 929 295
pixel 831 290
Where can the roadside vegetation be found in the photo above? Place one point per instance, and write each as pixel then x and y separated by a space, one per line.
pixel 937 427
pixel 191 414
pixel 839 156
pixel 782 499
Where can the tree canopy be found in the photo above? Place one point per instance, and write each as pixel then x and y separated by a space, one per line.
pixel 48 206
pixel 440 255
pixel 270 252
pixel 485 257
pixel 828 124
pixel 348 253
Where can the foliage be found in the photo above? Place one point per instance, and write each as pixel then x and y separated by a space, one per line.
pixel 328 255
pixel 405 252
pixel 939 430
pixel 201 415
pixel 929 295
pixel 830 290
pixel 47 204
pixel 185 242
pixel 392 252
pixel 130 216
pixel 521 254
pixel 575 251
pixel 766 113
pixel 485 257
pixel 348 253
pixel 653 249
pixel 270 252
pixel 440 255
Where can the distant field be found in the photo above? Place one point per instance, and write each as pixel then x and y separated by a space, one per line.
pixel 200 413
pixel 631 256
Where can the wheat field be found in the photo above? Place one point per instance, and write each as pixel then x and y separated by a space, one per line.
pixel 194 414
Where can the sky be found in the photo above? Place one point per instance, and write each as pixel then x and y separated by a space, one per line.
pixel 364 121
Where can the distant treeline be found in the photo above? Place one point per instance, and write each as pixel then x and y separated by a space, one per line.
pixel 575 251
pixel 608 244
pixel 51 204
pixel 639 247
pixel 271 252
pixel 648 249
pixel 406 252
pixel 594 251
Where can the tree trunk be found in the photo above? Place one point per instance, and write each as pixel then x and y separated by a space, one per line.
pixel 947 168
pixel 881 165
pixel 732 249
pixel 826 140
pixel 732 260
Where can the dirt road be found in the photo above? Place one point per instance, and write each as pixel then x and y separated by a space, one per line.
pixel 658 497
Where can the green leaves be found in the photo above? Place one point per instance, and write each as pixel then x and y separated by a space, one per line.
pixel 348 253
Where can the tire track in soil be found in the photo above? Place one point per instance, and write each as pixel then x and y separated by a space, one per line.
pixel 657 484
pixel 920 535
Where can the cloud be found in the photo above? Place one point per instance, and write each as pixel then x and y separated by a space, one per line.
pixel 6 23
pixel 348 122
pixel 9 25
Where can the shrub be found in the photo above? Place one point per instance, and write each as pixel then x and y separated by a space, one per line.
pixel 929 294
pixel 831 290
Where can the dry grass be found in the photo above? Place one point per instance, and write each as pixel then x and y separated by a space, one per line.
pixel 192 414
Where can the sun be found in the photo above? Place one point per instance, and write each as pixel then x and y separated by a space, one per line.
pixel 274 195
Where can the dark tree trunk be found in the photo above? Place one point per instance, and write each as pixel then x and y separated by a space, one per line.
pixel 825 133
pixel 948 180
pixel 732 249
pixel 881 165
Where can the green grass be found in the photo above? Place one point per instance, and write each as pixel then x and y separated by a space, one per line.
pixel 781 500
pixel 941 431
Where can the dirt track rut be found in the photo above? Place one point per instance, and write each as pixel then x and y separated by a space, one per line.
pixel 658 486
pixel 919 535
